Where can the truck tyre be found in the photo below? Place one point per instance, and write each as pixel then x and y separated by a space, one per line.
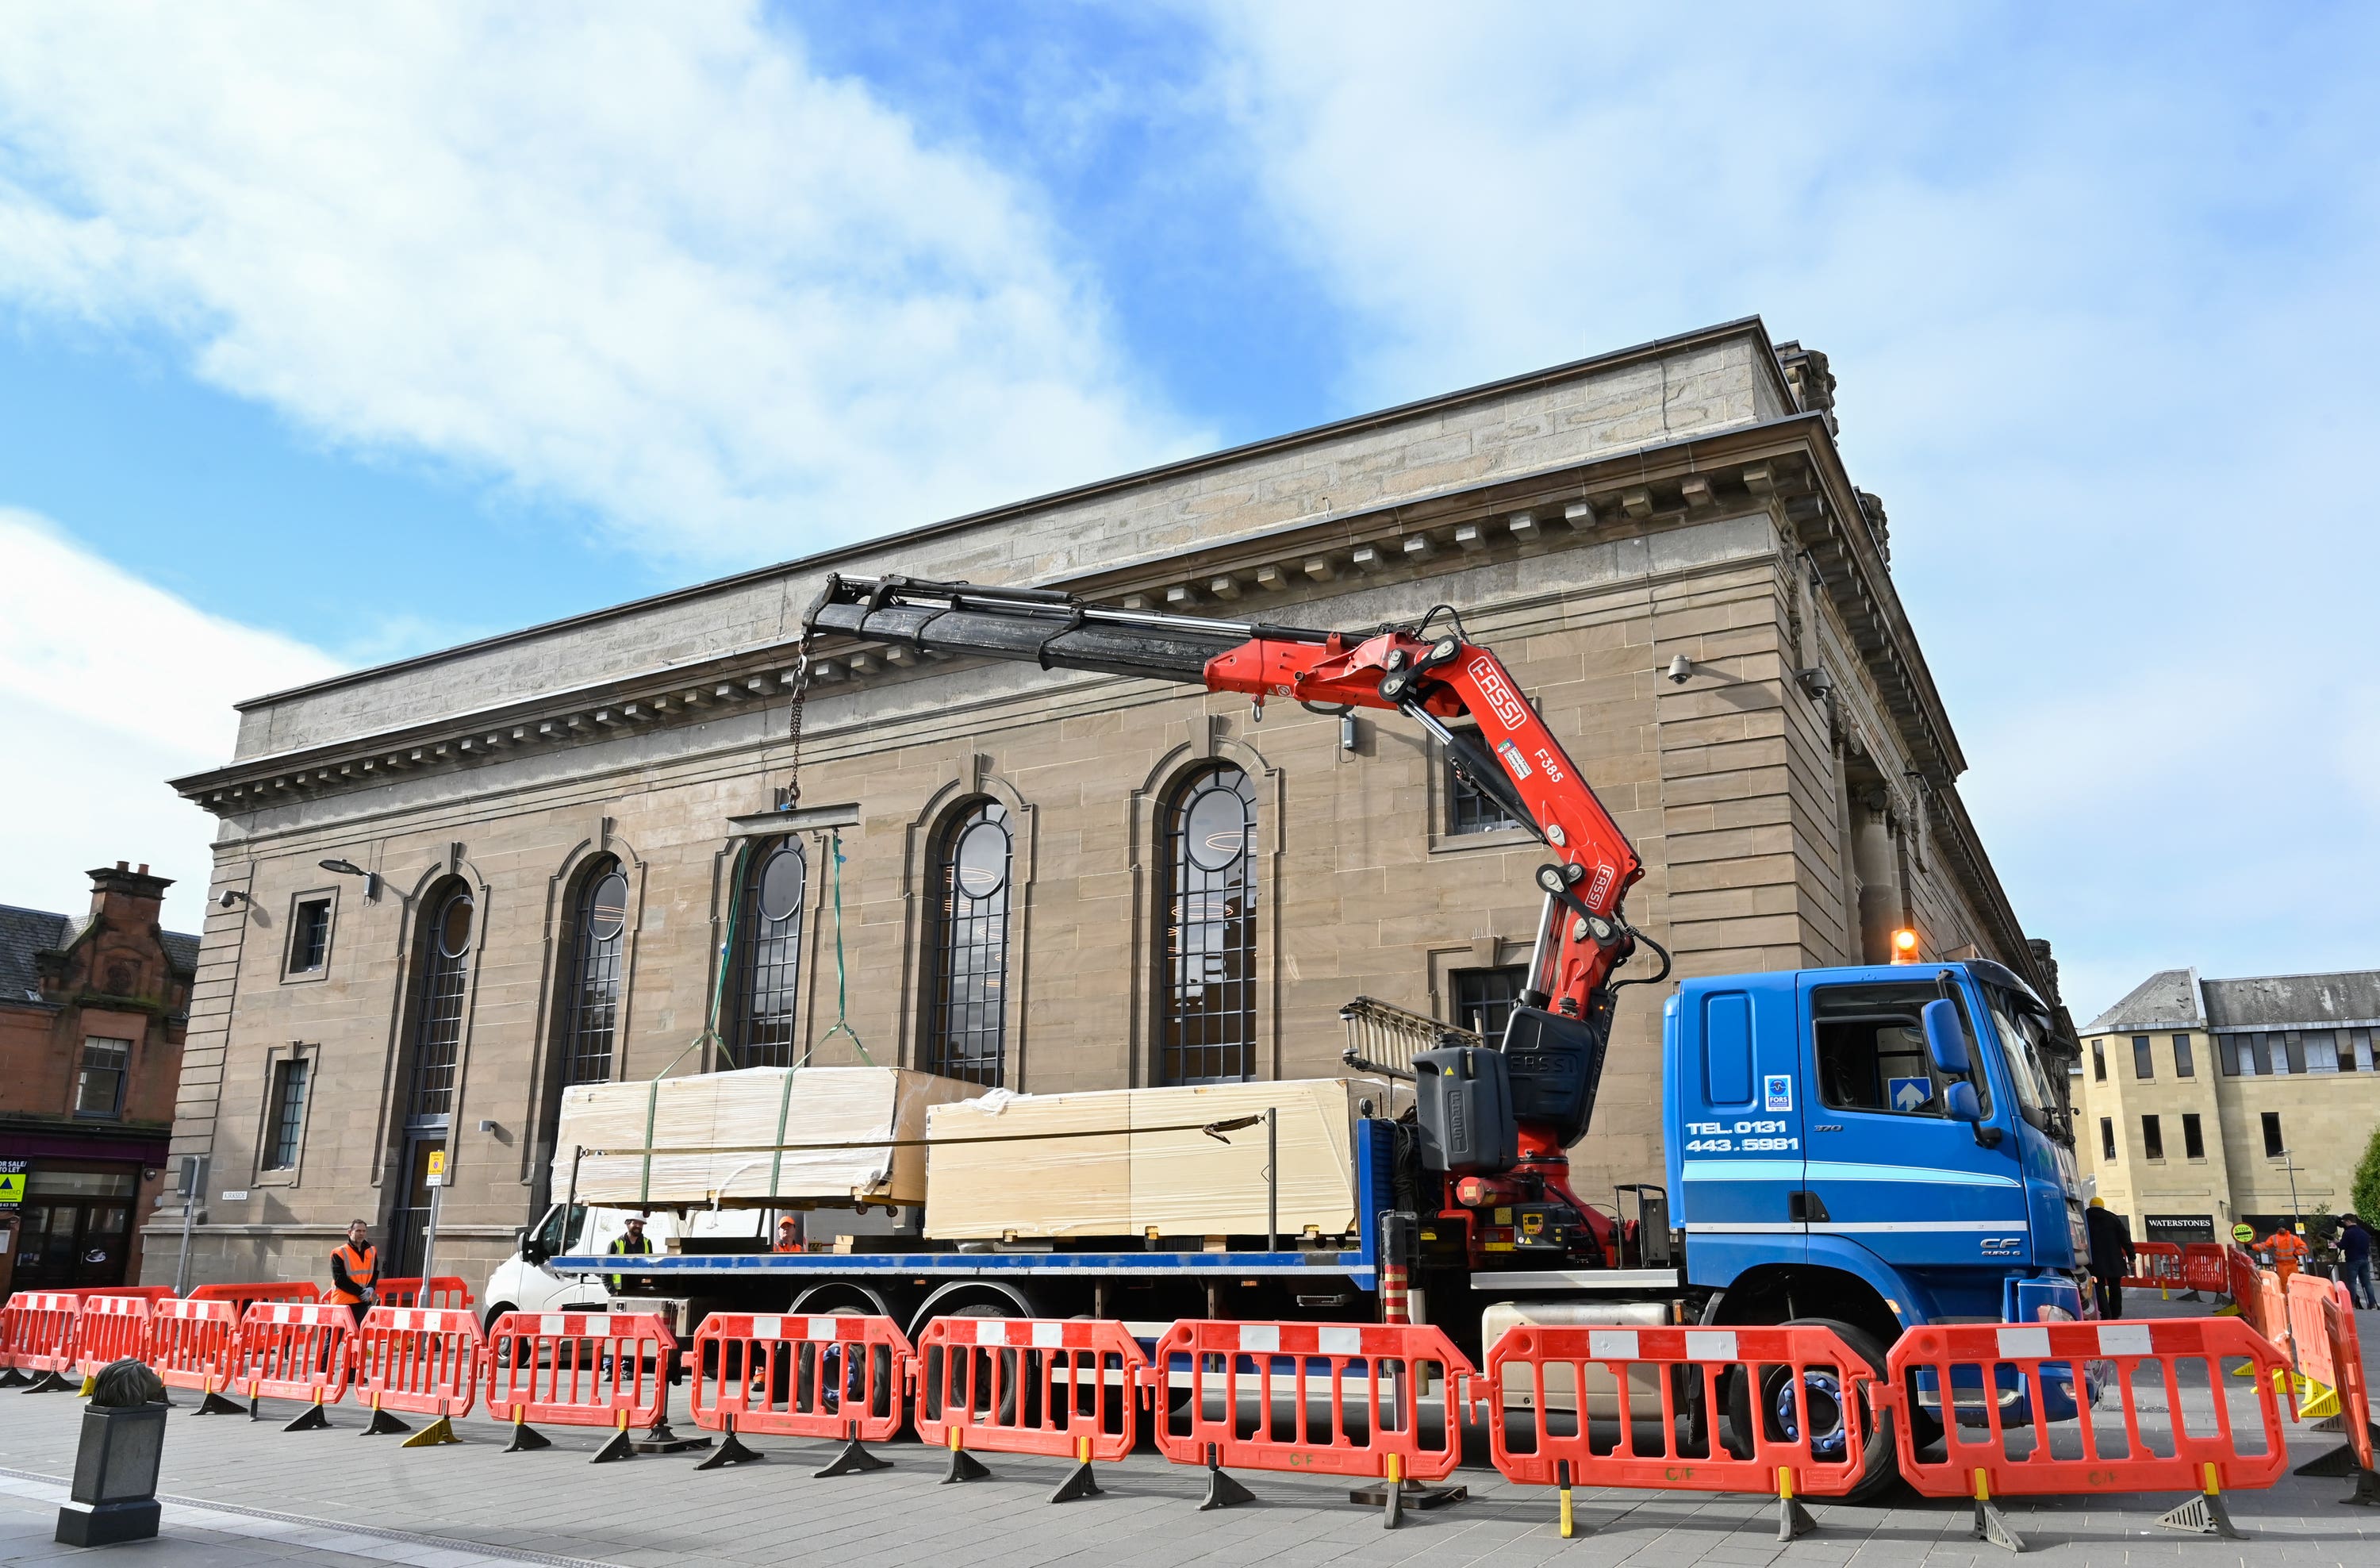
pixel 1821 1399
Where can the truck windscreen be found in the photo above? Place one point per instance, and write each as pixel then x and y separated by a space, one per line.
pixel 2019 1034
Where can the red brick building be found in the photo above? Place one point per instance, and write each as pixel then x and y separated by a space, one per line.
pixel 92 1011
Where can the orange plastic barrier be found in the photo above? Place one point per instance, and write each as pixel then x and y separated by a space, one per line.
pixel 2272 1311
pixel 2338 1363
pixel 113 1327
pixel 816 1375
pixel 1366 1378
pixel 2204 1267
pixel 2240 1272
pixel 195 1345
pixel 295 1350
pixel 447 1293
pixel 244 1295
pixel 2004 1433
pixel 580 1369
pixel 151 1294
pixel 42 1339
pixel 1777 1411
pixel 417 1359
pixel 2156 1265
pixel 1030 1385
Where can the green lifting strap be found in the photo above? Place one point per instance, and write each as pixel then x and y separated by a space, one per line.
pixel 841 1011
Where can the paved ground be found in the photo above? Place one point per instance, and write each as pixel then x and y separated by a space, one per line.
pixel 247 1493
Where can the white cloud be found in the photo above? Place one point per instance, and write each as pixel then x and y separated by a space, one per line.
pixel 2094 293
pixel 641 260
pixel 108 686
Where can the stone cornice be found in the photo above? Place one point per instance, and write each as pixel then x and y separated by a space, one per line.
pixel 1787 467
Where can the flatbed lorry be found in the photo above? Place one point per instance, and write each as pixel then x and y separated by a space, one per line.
pixel 1871 1147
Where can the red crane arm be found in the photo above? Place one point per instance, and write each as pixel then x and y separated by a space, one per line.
pixel 1449 679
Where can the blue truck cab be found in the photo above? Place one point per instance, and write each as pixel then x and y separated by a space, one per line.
pixel 1831 1161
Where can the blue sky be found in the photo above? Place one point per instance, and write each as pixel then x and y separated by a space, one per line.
pixel 326 338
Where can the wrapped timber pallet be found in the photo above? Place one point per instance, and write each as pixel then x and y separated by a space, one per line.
pixel 731 1117
pixel 1149 1169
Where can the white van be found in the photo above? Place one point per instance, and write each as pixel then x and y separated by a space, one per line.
pixel 527 1281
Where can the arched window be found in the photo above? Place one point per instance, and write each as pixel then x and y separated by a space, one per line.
pixel 762 1029
pixel 444 983
pixel 1206 1028
pixel 591 999
pixel 963 1023
pixel 438 1015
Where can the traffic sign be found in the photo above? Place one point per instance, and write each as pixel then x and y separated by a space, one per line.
pixel 437 1176
pixel 2244 1233
pixel 1907 1094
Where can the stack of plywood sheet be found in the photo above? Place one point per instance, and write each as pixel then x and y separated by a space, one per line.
pixel 729 1121
pixel 1146 1166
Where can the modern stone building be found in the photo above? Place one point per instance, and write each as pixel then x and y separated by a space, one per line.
pixel 2204 1103
pixel 558 854
pixel 93 1009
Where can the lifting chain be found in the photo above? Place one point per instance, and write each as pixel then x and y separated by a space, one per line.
pixel 793 721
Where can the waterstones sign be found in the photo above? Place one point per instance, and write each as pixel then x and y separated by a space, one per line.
pixel 2182 1229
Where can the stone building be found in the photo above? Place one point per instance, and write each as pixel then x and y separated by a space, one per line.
pixel 557 854
pixel 2206 1103
pixel 93 1009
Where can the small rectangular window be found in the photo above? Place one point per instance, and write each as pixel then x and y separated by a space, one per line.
pixel 2274 1146
pixel 2231 1054
pixel 1468 809
pixel 2185 1064
pixel 2108 1139
pixel 287 1123
pixel 2143 1064
pixel 2098 1061
pixel 99 1085
pixel 310 936
pixel 1484 998
pixel 2194 1141
pixel 2151 1138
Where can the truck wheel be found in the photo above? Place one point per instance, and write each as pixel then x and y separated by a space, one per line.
pixel 1820 1399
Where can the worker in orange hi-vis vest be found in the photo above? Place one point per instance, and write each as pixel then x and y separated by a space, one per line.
pixel 355 1270
pixel 2288 1250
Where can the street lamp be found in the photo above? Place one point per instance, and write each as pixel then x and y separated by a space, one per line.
pixel 349 868
pixel 2297 1221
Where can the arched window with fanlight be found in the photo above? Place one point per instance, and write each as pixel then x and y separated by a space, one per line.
pixel 591 1000
pixel 442 997
pixel 1207 1000
pixel 965 1029
pixel 763 1028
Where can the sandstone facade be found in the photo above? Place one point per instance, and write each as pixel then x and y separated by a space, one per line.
pixel 1793 797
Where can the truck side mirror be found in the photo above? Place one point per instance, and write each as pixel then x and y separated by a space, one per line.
pixel 1958 1102
pixel 1946 1042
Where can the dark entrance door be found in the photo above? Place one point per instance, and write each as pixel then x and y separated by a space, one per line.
pixel 77 1229
pixel 412 1224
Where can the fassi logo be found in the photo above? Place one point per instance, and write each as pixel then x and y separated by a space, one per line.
pixel 1498 692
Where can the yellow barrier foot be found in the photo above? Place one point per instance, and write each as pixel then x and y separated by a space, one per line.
pixel 1222 1490
pixel 1793 1519
pixel 89 1382
pixel 314 1420
pixel 384 1424
pixel 526 1439
pixel 732 1450
pixel 216 1404
pixel 441 1430
pixel 2317 1402
pixel 853 1460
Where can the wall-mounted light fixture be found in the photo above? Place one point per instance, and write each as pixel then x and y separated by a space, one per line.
pixel 349 868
